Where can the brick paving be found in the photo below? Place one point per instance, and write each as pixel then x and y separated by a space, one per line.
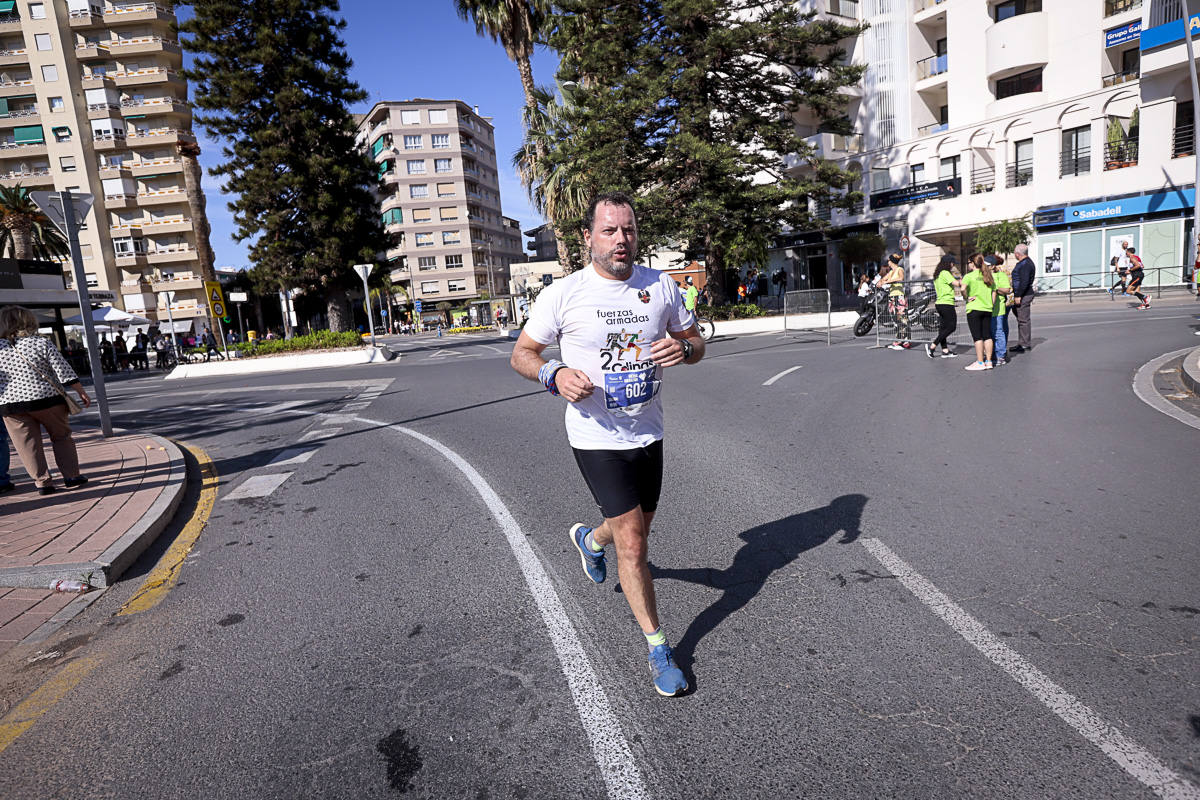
pixel 126 473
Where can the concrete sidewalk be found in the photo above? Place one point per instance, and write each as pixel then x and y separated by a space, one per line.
pixel 136 482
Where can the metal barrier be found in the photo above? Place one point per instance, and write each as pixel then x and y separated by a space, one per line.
pixel 803 307
pixel 915 321
pixel 1094 283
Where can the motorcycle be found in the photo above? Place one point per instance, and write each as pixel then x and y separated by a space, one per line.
pixel 921 311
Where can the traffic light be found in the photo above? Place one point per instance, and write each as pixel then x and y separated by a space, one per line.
pixel 227 320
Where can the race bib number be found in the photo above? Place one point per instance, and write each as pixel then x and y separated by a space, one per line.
pixel 627 390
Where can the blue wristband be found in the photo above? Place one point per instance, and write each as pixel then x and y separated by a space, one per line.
pixel 546 375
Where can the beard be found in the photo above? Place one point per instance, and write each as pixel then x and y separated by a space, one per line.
pixel 605 263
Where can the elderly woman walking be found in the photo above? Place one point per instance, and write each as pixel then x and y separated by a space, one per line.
pixel 34 378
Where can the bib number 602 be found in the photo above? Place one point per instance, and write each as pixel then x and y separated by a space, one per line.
pixel 635 390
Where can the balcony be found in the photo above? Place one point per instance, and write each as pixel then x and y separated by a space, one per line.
pixel 1118 155
pixel 1114 7
pixel 921 5
pixel 129 260
pixel 148 76
pixel 931 67
pixel 137 12
pixel 21 116
pixel 13 55
pixel 80 20
pixel 135 286
pixel 106 142
pixel 172 255
pixel 120 200
pixel 1118 78
pixel 22 150
pixel 161 135
pixel 188 309
pixel 1183 142
pixel 983 179
pixel 16 88
pixel 180 283
pixel 90 51
pixel 1017 44
pixel 155 166
pixel 28 179
pixel 101 110
pixel 161 197
pixel 929 130
pixel 1019 173
pixel 169 225
pixel 143 45
pixel 154 106
pixel 110 169
pixel 1073 163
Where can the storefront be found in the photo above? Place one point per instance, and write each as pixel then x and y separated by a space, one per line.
pixel 1076 244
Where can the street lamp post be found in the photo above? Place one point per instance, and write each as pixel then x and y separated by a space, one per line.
pixel 1191 55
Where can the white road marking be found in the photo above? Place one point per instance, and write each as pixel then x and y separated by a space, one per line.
pixel 1114 321
pixel 611 751
pixel 258 486
pixel 293 455
pixel 320 433
pixel 787 371
pixel 1135 760
pixel 356 406
pixel 1143 387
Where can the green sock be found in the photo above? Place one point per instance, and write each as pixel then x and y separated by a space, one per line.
pixel 655 639
pixel 591 543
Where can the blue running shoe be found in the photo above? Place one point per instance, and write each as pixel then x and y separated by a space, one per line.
pixel 593 563
pixel 668 678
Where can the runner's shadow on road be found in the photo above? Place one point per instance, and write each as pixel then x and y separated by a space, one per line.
pixel 768 548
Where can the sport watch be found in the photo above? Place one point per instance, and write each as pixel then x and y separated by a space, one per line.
pixel 687 349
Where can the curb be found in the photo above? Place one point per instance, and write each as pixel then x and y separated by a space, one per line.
pixel 122 553
pixel 1143 387
pixel 1190 374
pixel 283 363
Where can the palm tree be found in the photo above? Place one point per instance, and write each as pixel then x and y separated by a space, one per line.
pixel 189 152
pixel 558 189
pixel 515 24
pixel 25 231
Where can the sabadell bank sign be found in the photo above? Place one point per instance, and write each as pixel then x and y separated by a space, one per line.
pixel 1153 203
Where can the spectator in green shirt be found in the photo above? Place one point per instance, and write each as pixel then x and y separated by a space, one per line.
pixel 979 287
pixel 944 284
pixel 1000 309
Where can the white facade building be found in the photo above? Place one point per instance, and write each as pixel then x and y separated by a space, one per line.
pixel 1075 113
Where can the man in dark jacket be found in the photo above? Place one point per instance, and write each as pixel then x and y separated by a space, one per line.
pixel 1022 285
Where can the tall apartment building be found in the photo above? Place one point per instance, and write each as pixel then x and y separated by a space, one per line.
pixel 91 100
pixel 1074 113
pixel 438 161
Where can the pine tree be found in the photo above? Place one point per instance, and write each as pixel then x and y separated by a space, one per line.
pixel 271 82
pixel 689 104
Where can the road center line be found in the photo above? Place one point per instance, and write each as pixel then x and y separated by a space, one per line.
pixel 258 486
pixel 787 371
pixel 611 751
pixel 1135 760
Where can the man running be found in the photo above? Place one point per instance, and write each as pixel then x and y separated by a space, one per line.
pixel 614 416
pixel 1137 274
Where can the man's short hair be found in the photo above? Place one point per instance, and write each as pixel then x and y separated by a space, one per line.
pixel 1021 249
pixel 611 198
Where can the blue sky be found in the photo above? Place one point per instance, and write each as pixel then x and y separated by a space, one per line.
pixel 407 49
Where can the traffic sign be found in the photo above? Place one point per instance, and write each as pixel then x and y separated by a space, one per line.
pixel 215 297
pixel 417 305
pixel 51 204
pixel 363 270
pixel 904 243
pixel 238 297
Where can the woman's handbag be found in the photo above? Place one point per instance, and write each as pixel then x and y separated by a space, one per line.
pixel 73 406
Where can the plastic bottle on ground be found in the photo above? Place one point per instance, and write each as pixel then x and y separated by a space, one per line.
pixel 73 586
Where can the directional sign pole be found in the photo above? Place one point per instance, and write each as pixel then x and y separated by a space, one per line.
pixel 364 270
pixel 85 310
pixel 171 319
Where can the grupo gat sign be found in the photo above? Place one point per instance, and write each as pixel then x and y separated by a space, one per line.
pixel 1123 34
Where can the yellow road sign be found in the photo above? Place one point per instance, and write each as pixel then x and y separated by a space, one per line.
pixel 216 298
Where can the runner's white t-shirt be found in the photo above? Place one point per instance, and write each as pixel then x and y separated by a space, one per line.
pixel 605 327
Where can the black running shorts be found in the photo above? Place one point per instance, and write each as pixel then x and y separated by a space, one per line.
pixel 980 325
pixel 622 480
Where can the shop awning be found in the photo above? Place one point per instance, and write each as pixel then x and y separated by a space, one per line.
pixel 4 106
pixel 7 5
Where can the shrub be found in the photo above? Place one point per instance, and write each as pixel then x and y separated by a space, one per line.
pixel 741 311
pixel 317 340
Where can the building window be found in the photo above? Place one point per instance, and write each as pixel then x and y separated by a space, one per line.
pixel 459 285
pixel 61 134
pixel 445 190
pixel 1076 151
pixel 918 173
pixel 448 213
pixel 880 179
pixel 416 166
pixel 451 237
pixel 42 41
pixel 422 214
pixel 427 262
pixel 418 190
pixel 429 287
pixel 454 261
pixel 441 141
pixel 56 104
pixel 1020 172
pixel 412 142
pixel 128 246
pixel 424 239
pixel 441 165
pixel 1024 83
pixel 393 216
pixel 410 117
pixel 438 116
pixel 37 11
pixel 1015 8
pixel 948 168
pixel 66 163
pixel 49 73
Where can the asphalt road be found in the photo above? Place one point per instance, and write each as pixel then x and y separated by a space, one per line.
pixel 885 577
